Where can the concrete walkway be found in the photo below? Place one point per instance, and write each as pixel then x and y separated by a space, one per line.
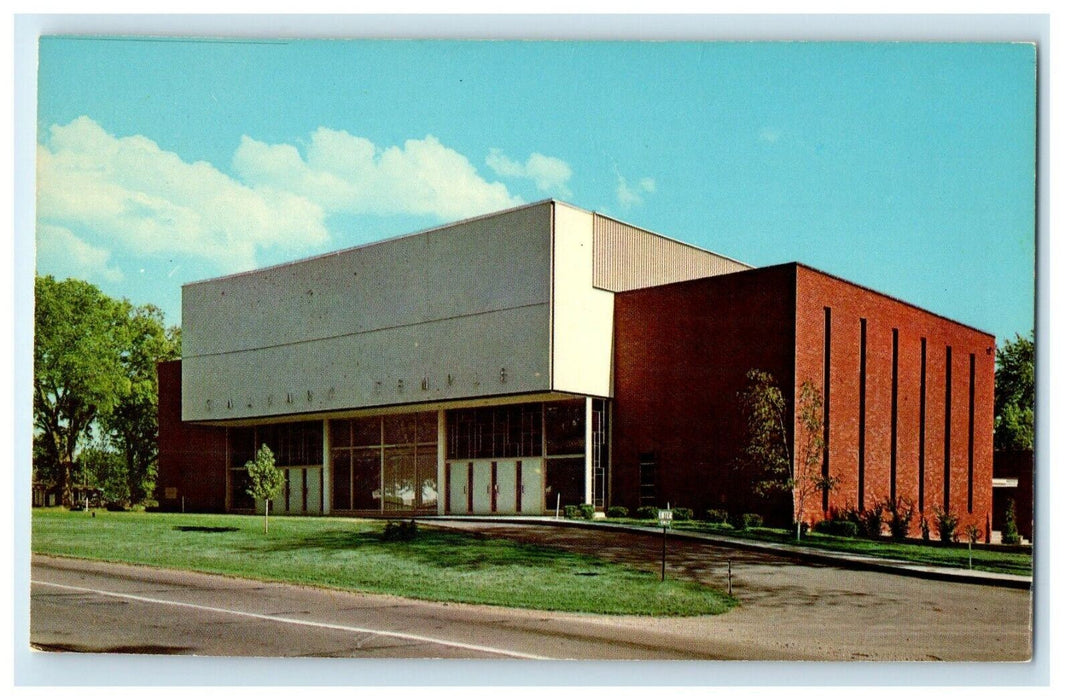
pixel 799 553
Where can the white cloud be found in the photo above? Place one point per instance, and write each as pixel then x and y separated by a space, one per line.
pixel 152 201
pixel 349 174
pixel 61 252
pixel 632 195
pixel 548 173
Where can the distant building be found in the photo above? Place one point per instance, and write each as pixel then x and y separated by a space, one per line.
pixel 547 356
pixel 1013 480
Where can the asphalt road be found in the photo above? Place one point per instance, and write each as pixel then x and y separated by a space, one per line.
pixel 110 608
pixel 788 611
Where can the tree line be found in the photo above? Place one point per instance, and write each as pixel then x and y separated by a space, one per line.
pixel 95 389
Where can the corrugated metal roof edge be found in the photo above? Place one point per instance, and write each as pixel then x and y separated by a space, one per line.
pixel 671 239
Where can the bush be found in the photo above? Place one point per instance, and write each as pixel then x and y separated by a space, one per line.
pixel 617 512
pixel 947 522
pixel 803 528
pixel 837 528
pixel 587 511
pixel 1009 533
pixel 868 521
pixel 399 530
pixel 572 511
pixel 718 516
pixel 682 513
pixel 925 525
pixel 901 512
pixel 747 521
pixel 647 513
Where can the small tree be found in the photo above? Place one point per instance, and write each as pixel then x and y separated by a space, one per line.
pixel 947 525
pixel 1010 532
pixel 264 479
pixel 766 448
pixel 973 535
pixel 807 478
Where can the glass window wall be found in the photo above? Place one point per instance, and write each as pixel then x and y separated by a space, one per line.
pixel 293 444
pixel 385 463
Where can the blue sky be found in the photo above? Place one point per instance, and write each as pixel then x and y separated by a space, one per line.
pixel 905 167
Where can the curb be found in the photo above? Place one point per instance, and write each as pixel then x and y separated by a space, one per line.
pixel 806 554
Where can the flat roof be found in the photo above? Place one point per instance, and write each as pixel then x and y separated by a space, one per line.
pixel 479 217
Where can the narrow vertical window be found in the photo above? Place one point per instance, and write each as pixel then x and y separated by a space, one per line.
pixel 948 424
pixel 970 441
pixel 892 412
pixel 825 410
pixel 862 408
pixel 922 431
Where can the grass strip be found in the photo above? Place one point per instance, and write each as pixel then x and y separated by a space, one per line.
pixel 957 556
pixel 351 554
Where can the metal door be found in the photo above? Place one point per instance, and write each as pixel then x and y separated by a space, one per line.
pixel 531 486
pixel 506 486
pixel 459 487
pixel 312 490
pixel 295 490
pixel 481 486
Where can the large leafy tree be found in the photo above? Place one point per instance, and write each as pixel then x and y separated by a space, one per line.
pixel 131 424
pixel 95 373
pixel 78 369
pixel 1013 425
pixel 765 452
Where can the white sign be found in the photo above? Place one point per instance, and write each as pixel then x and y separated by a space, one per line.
pixel 665 518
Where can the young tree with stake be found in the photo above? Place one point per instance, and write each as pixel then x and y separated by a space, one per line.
pixel 807 478
pixel 766 451
pixel 265 480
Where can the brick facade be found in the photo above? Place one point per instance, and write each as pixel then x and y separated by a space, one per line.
pixel 682 352
pixel 193 458
pixel 948 444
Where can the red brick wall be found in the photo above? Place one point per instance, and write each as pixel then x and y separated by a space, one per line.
pixel 849 303
pixel 193 458
pixel 681 355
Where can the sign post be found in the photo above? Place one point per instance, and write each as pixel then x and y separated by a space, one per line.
pixel 665 519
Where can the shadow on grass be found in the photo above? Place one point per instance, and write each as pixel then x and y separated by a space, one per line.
pixel 433 548
pixel 201 528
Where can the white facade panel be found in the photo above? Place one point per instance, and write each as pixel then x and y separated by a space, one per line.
pixel 457 358
pixel 583 315
pixel 443 313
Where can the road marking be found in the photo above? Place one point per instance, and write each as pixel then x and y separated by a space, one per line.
pixel 305 623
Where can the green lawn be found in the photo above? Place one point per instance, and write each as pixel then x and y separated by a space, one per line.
pixel 350 554
pixel 999 561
